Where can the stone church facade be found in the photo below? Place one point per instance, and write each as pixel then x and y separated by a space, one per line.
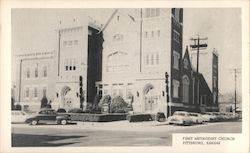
pixel 129 57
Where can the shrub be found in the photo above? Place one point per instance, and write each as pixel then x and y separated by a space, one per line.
pixel 75 110
pixel 160 117
pixel 96 102
pixel 118 105
pixel 88 108
pixel 48 105
pixel 106 100
pixel 44 102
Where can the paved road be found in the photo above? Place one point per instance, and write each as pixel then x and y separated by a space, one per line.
pixel 119 133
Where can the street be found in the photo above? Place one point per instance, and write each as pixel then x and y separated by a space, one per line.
pixel 120 133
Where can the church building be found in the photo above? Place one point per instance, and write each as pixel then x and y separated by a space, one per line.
pixel 140 46
pixel 137 54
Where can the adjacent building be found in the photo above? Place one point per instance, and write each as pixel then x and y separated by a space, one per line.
pixel 66 75
pixel 35 77
pixel 79 63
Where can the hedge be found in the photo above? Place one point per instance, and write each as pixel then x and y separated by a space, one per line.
pixel 141 117
pixel 98 117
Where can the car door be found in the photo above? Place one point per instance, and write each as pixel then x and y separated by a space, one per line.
pixel 50 116
pixel 43 115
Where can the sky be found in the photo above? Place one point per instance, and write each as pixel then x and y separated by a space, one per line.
pixel 34 30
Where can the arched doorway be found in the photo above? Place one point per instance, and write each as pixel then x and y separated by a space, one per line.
pixel 150 98
pixel 67 98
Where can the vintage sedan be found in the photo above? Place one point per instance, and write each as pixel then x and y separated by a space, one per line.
pixel 180 118
pixel 209 117
pixel 47 116
pixel 196 118
pixel 18 116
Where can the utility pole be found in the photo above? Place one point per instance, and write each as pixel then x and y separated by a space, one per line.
pixel 197 45
pixel 235 71
pixel 167 95
pixel 141 40
pixel 20 81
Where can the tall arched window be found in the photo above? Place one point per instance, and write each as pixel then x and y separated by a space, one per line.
pixel 117 62
pixel 185 89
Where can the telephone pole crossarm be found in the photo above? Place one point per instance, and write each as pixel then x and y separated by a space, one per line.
pixel 235 71
pixel 197 46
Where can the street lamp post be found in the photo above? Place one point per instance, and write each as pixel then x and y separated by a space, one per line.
pixel 167 95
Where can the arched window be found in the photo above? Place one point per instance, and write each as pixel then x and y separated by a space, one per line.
pixel 185 89
pixel 117 62
pixel 186 63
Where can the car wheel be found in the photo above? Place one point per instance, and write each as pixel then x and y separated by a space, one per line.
pixel 63 122
pixel 58 122
pixel 184 123
pixel 34 122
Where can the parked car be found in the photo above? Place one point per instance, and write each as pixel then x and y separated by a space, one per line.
pixel 216 116
pixel 221 116
pixel 196 118
pixel 61 110
pixel 48 115
pixel 208 117
pixel 18 116
pixel 180 118
pixel 231 116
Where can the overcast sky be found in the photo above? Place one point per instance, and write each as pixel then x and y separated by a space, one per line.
pixel 34 30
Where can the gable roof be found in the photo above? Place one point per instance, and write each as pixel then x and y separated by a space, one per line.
pixel 118 13
pixel 187 57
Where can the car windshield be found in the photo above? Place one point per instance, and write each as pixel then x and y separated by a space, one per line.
pixel 180 114
pixel 193 115
pixel 23 113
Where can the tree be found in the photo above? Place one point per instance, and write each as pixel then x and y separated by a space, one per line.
pixel 96 102
pixel 118 105
pixel 44 102
pixel 49 104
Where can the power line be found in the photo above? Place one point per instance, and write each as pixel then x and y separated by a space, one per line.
pixel 235 71
pixel 198 46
